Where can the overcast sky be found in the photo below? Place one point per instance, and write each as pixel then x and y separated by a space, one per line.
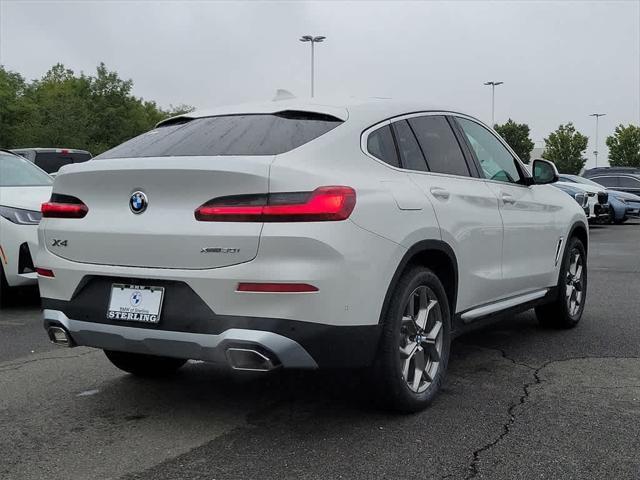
pixel 560 60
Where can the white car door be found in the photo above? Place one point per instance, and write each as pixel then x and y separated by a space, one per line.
pixel 466 209
pixel 532 234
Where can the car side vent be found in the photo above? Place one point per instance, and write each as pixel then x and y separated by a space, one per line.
pixel 25 262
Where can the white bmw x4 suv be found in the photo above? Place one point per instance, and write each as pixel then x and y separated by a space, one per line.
pixel 307 235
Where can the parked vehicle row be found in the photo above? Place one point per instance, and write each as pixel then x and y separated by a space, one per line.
pixel 621 205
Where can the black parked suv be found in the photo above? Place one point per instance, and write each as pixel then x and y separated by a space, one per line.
pixel 625 179
pixel 51 159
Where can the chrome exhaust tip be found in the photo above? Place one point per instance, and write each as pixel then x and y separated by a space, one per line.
pixel 250 360
pixel 59 336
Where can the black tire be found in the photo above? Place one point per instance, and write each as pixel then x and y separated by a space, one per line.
pixel 144 365
pixel 392 385
pixel 558 314
pixel 621 221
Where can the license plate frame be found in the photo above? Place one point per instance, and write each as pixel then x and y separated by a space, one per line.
pixel 135 303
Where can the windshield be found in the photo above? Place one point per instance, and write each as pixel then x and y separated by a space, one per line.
pixel 16 171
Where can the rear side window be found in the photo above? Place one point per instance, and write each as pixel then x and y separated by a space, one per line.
pixel 380 144
pixel 439 145
pixel 410 153
pixel 269 134
pixel 607 181
pixel 51 162
pixel 629 182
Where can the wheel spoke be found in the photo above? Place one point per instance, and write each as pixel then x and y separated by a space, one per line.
pixel 419 366
pixel 408 350
pixel 578 275
pixel 423 316
pixel 569 291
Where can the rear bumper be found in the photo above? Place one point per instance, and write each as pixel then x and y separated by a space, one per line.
pixel 292 344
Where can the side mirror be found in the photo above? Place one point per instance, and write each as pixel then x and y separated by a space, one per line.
pixel 544 172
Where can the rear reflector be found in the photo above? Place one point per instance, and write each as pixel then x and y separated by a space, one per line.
pixel 323 204
pixel 276 287
pixel 45 272
pixel 64 206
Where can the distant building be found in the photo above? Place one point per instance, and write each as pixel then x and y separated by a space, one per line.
pixel 537 153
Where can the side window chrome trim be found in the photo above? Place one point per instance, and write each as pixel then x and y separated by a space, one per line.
pixel 405 116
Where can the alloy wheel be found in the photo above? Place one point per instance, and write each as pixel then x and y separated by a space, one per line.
pixel 421 339
pixel 574 282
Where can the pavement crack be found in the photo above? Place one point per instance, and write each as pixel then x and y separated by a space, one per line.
pixel 473 469
pixel 17 365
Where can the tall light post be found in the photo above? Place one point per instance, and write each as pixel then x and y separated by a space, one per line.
pixel 597 115
pixel 312 40
pixel 493 100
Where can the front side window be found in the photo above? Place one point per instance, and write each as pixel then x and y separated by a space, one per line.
pixel 380 144
pixel 496 161
pixel 439 144
pixel 245 135
pixel 16 171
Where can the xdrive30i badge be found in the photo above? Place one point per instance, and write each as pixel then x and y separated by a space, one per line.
pixel 138 202
pixel 219 250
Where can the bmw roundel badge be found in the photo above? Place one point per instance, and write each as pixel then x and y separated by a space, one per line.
pixel 138 202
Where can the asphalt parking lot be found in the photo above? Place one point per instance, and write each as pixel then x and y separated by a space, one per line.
pixel 520 402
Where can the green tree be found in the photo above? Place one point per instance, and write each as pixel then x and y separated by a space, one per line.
pixel 56 111
pixel 62 109
pixel 565 147
pixel 517 136
pixel 624 146
pixel 12 87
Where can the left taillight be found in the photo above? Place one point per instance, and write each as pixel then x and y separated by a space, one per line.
pixel 64 206
pixel 332 203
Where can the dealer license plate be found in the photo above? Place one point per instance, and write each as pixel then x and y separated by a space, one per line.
pixel 135 303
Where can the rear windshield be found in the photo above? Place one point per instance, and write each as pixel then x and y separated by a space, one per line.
pixel 16 171
pixel 51 162
pixel 270 134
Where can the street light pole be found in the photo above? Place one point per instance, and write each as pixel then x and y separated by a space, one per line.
pixel 493 100
pixel 312 40
pixel 597 115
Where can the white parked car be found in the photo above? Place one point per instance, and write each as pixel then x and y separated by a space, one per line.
pixel 303 235
pixel 597 198
pixel 23 188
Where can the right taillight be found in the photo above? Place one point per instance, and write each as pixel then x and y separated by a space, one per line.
pixel 64 206
pixel 332 203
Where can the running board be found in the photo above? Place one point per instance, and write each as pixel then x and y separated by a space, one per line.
pixel 471 315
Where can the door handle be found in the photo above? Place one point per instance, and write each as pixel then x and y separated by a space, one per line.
pixel 440 192
pixel 507 199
